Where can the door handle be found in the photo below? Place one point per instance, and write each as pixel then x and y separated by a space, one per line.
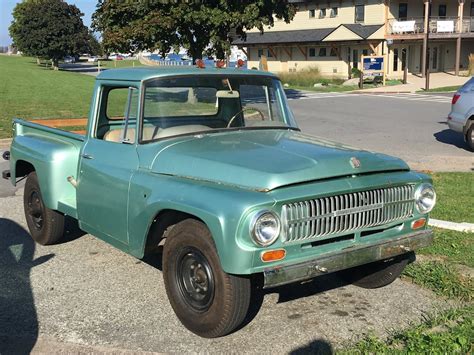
pixel 87 156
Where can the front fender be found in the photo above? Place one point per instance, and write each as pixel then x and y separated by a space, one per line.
pixel 221 208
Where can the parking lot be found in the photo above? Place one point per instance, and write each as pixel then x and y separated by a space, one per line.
pixel 85 295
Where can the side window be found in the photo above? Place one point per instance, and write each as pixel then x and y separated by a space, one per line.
pixel 118 116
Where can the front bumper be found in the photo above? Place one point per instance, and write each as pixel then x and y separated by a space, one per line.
pixel 346 258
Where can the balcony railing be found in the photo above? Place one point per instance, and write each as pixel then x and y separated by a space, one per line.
pixel 438 25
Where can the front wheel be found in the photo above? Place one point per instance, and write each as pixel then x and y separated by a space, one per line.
pixel 379 273
pixel 46 226
pixel 208 301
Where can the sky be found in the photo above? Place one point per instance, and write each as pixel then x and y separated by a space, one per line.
pixel 6 7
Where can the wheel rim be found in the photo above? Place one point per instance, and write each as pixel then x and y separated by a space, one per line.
pixel 195 279
pixel 35 210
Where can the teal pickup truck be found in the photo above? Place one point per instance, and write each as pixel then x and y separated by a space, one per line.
pixel 209 167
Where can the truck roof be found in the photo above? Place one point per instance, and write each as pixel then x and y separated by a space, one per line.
pixel 144 73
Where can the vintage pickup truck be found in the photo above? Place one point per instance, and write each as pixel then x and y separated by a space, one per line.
pixel 209 167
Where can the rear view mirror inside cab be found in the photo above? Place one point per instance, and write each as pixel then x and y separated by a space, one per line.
pixel 225 94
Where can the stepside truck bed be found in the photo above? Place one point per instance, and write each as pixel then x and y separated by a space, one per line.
pixel 54 154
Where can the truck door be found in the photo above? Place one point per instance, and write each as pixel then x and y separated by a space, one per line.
pixel 108 160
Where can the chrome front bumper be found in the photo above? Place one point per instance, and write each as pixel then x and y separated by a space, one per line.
pixel 346 258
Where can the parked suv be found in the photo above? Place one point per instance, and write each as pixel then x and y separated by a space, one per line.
pixel 461 117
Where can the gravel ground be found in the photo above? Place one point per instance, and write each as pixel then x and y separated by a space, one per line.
pixel 85 296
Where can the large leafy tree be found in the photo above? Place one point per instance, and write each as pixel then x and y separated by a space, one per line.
pixel 198 26
pixel 49 29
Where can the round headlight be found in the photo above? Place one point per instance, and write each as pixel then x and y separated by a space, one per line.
pixel 265 228
pixel 425 198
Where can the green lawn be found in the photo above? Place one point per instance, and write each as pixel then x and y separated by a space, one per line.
pixel 31 91
pixel 455 193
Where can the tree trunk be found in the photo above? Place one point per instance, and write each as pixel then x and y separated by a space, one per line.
pixel 55 64
pixel 38 61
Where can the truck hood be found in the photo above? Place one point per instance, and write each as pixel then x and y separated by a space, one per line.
pixel 264 160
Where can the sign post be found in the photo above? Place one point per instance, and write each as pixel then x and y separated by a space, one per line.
pixel 374 64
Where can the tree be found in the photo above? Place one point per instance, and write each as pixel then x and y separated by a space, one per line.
pixel 207 26
pixel 48 29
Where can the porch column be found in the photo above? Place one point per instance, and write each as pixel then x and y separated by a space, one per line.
pixel 425 38
pixel 458 42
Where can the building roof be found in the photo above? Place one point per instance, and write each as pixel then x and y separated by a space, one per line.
pixel 145 73
pixel 304 36
pixel 275 37
pixel 362 30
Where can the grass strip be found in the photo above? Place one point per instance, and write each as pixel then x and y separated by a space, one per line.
pixel 454 247
pixel 454 197
pixel 442 279
pixel 449 332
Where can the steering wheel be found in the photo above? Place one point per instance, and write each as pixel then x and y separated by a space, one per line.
pixel 242 111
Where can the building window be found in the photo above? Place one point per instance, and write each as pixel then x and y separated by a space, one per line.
pixel 312 52
pixel 269 53
pixel 333 52
pixel 260 53
pixel 322 13
pixel 442 11
pixel 355 58
pixel 334 12
pixel 365 52
pixel 359 13
pixel 472 9
pixel 312 13
pixel 402 11
pixel 322 52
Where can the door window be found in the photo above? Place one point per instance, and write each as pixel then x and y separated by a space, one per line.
pixel 395 60
pixel 118 104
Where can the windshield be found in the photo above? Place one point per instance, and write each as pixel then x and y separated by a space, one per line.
pixel 187 105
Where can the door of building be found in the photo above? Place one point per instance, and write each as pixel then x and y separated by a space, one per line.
pixel 434 58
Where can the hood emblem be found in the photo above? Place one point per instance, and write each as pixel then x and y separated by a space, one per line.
pixel 355 163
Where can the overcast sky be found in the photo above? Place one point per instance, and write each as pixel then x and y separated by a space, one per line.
pixel 6 7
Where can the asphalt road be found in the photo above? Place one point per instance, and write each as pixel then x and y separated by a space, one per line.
pixel 410 126
pixel 83 295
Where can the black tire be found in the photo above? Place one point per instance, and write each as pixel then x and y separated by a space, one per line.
pixel 207 301
pixel 470 137
pixel 378 274
pixel 46 226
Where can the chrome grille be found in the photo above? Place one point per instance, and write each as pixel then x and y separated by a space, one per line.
pixel 346 213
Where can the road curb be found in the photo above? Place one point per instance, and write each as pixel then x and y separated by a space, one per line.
pixel 460 227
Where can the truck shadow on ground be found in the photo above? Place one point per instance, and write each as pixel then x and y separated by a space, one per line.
pixel 18 318
pixel 450 137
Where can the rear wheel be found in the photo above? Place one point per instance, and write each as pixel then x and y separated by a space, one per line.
pixel 470 137
pixel 208 301
pixel 378 274
pixel 46 226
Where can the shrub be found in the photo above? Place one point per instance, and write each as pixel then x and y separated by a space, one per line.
pixel 307 78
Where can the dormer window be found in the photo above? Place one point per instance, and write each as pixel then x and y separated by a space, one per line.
pixel 322 13
pixel 334 12
pixel 312 13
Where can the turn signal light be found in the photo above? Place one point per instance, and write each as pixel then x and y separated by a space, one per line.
pixel 220 64
pixel 273 255
pixel 418 223
pixel 455 99
pixel 240 63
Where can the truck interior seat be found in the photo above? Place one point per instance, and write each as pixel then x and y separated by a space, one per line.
pixel 176 130
pixel 149 133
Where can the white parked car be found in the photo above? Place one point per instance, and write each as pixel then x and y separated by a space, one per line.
pixel 92 59
pixel 69 59
pixel 461 117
